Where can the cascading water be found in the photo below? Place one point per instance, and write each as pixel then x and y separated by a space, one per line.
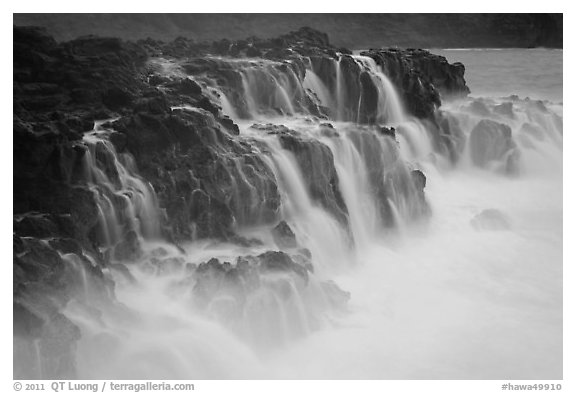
pixel 316 228
pixel 420 301
pixel 125 202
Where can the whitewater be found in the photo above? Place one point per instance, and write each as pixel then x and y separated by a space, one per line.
pixel 466 284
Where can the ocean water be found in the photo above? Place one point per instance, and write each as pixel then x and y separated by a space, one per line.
pixel 534 73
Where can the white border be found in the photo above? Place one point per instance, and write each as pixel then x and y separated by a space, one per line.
pixel 419 6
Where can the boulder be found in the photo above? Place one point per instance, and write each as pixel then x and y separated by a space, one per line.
pixel 491 144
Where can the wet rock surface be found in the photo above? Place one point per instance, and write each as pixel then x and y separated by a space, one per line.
pixel 164 121
pixel 421 77
pixel 273 284
pixel 491 142
pixel 284 236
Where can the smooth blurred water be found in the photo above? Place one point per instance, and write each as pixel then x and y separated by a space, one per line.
pixel 534 73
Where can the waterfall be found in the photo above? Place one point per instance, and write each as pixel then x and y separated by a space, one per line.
pixel 126 203
pixel 316 229
pixel 389 104
pixel 314 83
pixel 363 186
pixel 270 88
pixel 356 188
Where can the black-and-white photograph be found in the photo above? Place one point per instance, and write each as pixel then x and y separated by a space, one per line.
pixel 288 196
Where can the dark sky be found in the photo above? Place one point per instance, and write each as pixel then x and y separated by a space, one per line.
pixel 353 31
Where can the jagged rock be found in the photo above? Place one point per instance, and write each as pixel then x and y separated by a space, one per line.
pixel 230 125
pixel 192 155
pixel 283 235
pixel 197 178
pixel 168 265
pixel 304 258
pixel 35 225
pixel 278 261
pixel 214 276
pixel 317 165
pixel 66 246
pixel 185 86
pixel 308 36
pixel 421 77
pixel 116 98
pixel 244 242
pixel 46 276
pixel 118 139
pixel 154 105
pixel 253 52
pixel 129 249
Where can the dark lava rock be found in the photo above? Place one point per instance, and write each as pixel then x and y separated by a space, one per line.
pixel 47 275
pixel 317 166
pixel 185 86
pixel 193 164
pixel 129 249
pixel 230 125
pixel 284 236
pixel 193 157
pixel 116 98
pixel 278 261
pixel 388 131
pixel 35 225
pixel 421 77
pixel 153 105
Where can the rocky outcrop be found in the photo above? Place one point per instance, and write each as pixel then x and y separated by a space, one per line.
pixel 207 182
pixel 261 291
pixel 59 90
pixel 283 235
pixel 450 138
pixel 105 129
pixel 491 144
pixel 316 164
pixel 421 77
pixel 48 273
